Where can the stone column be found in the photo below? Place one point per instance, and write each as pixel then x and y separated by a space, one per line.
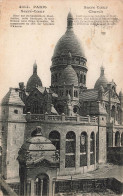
pixel 50 191
pixel 62 151
pixel 113 139
pixel 88 151
pixel 32 188
pixel 28 188
pixel 120 140
pixel 53 188
pixel 41 191
pixel 77 152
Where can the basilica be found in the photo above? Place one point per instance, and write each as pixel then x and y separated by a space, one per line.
pixel 52 137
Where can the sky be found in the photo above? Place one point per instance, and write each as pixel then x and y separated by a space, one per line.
pixel 20 47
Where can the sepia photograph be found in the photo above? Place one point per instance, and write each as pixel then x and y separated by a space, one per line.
pixel 61 98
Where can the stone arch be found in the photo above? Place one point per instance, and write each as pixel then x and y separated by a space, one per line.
pixel 76 109
pixel 70 149
pixel 92 148
pixel 83 148
pixel 42 185
pixel 117 138
pixel 54 136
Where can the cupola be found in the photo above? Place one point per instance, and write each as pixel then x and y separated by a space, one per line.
pixel 34 81
pixel 102 81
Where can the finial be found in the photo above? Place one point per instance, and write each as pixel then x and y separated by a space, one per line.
pixel 69 21
pixel 35 68
pixel 102 71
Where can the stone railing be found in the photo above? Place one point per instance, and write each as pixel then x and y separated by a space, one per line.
pixel 61 118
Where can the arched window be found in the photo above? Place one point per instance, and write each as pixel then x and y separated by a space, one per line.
pixel 117 138
pixel 118 114
pixel 70 149
pixel 76 109
pixel 92 148
pixel 113 112
pixel 122 139
pixel 83 149
pixel 54 136
pixel 67 92
pixel 35 107
pixel 84 79
pixel 81 78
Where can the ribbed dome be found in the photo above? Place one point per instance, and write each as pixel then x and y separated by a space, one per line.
pixel 102 81
pixel 34 81
pixel 37 148
pixel 69 42
pixel 69 76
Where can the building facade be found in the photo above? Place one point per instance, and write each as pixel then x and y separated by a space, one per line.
pixel 63 130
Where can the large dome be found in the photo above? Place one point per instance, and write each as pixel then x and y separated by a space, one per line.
pixel 34 81
pixel 69 76
pixel 102 81
pixel 69 42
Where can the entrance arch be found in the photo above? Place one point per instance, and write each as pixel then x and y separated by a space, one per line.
pixel 117 138
pixel 42 185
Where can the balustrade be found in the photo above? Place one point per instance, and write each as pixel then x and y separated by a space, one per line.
pixel 47 117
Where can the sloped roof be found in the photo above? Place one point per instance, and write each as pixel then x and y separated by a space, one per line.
pixel 12 98
pixel 42 89
pixel 89 94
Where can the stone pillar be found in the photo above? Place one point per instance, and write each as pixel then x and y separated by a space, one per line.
pixel 62 151
pixel 88 151
pixel 120 140
pixel 41 191
pixel 77 152
pixel 53 188
pixel 32 188
pixel 50 191
pixel 113 139
pixel 28 189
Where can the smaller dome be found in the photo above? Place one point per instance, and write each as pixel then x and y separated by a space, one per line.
pixel 69 76
pixel 102 81
pixel 37 148
pixel 34 81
